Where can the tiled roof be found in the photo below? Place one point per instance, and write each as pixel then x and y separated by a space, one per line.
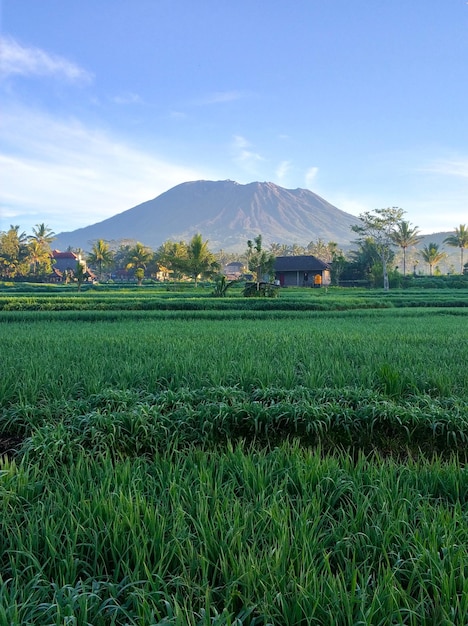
pixel 63 255
pixel 301 263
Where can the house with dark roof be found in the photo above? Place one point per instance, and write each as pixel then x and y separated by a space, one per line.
pixel 65 261
pixel 64 266
pixel 233 270
pixel 301 271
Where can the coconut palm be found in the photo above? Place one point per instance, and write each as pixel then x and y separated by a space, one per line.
pixel 200 260
pixel 100 255
pixel 138 258
pixel 432 254
pixel 459 240
pixel 38 255
pixel 404 236
pixel 43 235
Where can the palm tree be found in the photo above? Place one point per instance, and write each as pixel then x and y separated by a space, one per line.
pixel 101 255
pixel 13 251
pixel 405 236
pixel 260 261
pixel 459 240
pixel 43 235
pixel 37 254
pixel 138 258
pixel 200 261
pixel 431 254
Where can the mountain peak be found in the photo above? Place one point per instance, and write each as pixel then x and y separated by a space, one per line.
pixel 226 213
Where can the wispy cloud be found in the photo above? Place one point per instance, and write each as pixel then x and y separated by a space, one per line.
pixel 282 169
pixel 456 167
pixel 219 97
pixel 127 98
pixel 19 60
pixel 244 156
pixel 311 175
pixel 70 175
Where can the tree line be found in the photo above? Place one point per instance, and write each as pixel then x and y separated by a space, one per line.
pixel 378 234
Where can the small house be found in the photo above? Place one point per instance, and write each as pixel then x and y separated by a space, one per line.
pixel 233 270
pixel 66 261
pixel 301 271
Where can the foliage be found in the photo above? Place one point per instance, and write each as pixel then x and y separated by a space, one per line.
pixel 432 254
pixel 261 290
pixel 404 236
pixel 101 256
pixel 260 261
pixel 43 235
pixel 222 285
pixel 199 261
pixel 80 274
pixel 379 226
pixel 13 253
pixel 193 259
pixel 459 240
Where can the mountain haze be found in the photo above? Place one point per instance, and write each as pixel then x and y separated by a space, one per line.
pixel 224 212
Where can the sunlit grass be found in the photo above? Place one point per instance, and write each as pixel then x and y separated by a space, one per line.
pixel 234 467
pixel 292 536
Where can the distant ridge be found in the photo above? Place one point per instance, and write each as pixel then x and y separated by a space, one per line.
pixel 224 212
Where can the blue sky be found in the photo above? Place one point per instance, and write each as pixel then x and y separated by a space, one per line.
pixel 109 103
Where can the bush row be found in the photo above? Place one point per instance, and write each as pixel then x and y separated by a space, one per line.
pixel 130 422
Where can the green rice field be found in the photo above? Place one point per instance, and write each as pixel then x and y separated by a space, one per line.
pixel 173 458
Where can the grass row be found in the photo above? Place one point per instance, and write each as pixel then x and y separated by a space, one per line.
pixel 199 468
pixel 130 423
pixel 239 536
pixel 154 299
pixel 66 357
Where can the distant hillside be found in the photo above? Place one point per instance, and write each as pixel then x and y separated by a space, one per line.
pixel 224 212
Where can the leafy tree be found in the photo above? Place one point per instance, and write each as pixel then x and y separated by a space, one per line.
pixel 138 257
pixel 338 265
pixel 80 274
pixel 38 256
pixel 321 250
pixel 139 275
pixel 296 250
pixel 459 240
pixel 101 256
pixel 39 250
pixel 365 262
pixel 199 261
pixel 279 249
pixel 404 236
pixel 171 255
pixel 431 254
pixel 13 252
pixel 380 226
pixel 261 262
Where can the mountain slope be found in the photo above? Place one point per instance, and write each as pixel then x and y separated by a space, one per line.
pixel 224 212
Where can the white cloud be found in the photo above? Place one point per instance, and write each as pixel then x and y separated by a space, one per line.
pixel 16 59
pixel 311 175
pixel 219 97
pixel 246 158
pixel 457 168
pixel 282 169
pixel 128 98
pixel 69 175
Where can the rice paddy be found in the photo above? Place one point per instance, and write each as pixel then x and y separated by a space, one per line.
pixel 235 464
